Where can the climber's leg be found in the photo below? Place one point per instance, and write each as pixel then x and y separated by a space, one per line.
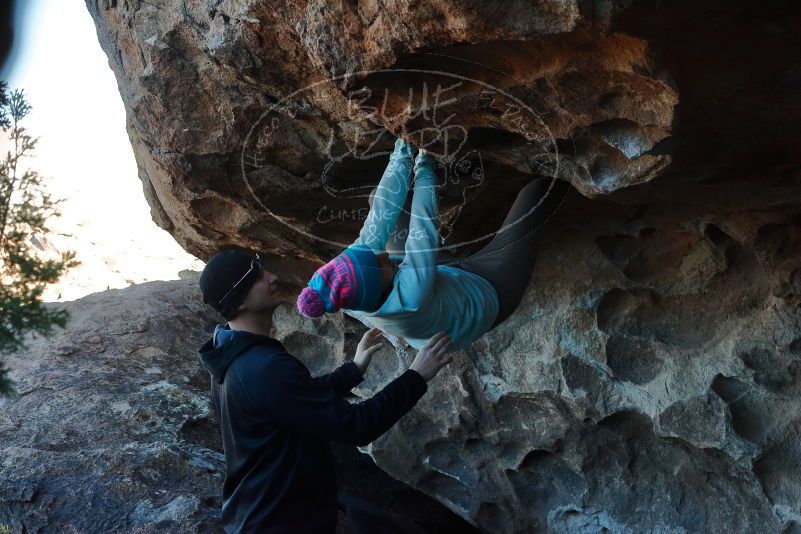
pixel 397 239
pixel 508 260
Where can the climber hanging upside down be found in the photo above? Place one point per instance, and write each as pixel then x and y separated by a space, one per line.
pixel 422 289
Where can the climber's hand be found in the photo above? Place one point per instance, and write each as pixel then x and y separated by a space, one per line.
pixel 431 357
pixel 368 345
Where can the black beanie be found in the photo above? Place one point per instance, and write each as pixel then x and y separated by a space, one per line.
pixel 220 274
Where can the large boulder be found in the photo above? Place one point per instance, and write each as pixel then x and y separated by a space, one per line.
pixel 650 378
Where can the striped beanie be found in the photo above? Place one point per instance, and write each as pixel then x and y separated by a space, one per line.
pixel 352 280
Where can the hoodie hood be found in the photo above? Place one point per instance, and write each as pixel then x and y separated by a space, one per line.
pixel 226 345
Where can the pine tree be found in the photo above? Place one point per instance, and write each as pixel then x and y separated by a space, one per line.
pixel 25 209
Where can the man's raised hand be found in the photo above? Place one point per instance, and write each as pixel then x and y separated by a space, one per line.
pixel 431 357
pixel 368 345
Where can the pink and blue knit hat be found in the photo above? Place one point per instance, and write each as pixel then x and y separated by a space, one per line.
pixel 352 280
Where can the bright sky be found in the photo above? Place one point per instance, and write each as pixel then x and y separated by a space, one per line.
pixel 85 153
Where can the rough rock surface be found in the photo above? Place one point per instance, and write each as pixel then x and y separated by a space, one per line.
pixel 112 429
pixel 650 378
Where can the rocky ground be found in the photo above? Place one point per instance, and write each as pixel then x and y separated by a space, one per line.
pixel 112 428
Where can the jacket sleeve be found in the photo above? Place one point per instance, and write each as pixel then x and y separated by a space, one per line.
pixel 281 389
pixel 389 198
pixel 342 379
pixel 417 271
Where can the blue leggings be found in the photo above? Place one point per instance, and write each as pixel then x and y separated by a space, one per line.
pixel 507 261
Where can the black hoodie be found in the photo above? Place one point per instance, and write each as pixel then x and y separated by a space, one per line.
pixel 276 423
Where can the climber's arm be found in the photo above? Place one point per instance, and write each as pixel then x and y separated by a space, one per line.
pixel 418 269
pixel 390 196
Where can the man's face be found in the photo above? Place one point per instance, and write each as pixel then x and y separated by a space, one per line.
pixel 264 295
pixel 388 271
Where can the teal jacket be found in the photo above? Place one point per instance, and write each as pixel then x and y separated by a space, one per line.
pixel 426 298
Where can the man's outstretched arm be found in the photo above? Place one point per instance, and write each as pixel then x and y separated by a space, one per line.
pixel 342 379
pixel 390 196
pixel 281 389
pixel 350 374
